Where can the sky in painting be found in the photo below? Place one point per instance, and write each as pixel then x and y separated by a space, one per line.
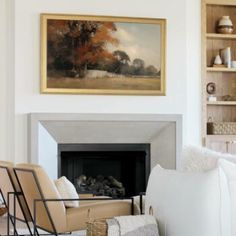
pixel 139 41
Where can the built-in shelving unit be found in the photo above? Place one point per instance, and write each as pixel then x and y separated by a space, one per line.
pixel 224 108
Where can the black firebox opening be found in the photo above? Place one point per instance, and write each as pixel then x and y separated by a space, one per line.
pixel 117 170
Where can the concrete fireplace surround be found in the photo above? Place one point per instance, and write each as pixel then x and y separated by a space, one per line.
pixel 47 130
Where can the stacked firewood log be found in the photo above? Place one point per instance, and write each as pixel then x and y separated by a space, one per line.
pixel 100 185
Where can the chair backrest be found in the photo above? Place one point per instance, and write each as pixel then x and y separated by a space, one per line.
pixel 8 184
pixel 36 184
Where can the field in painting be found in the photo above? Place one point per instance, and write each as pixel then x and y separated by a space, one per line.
pixel 106 83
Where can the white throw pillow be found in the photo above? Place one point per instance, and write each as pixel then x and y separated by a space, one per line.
pixel 200 159
pixel 190 204
pixel 67 191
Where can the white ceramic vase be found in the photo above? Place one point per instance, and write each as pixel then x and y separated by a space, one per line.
pixel 218 60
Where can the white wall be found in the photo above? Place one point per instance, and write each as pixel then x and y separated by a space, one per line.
pixel 7 92
pixel 3 73
pixel 183 22
pixel 193 62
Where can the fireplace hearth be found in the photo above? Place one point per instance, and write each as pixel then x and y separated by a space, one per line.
pixel 116 170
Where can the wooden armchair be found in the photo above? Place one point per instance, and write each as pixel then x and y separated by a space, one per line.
pixel 47 208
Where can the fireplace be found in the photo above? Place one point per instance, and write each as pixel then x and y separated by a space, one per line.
pixel 117 170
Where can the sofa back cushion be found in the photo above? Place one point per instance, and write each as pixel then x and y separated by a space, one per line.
pixel 190 203
pixel 198 159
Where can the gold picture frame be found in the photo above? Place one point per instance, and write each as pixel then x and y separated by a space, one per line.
pixel 83 54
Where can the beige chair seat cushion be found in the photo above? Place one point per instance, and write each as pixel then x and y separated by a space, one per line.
pixel 77 217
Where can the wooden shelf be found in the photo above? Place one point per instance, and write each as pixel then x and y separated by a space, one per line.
pixel 220 36
pixel 222 103
pixel 221 69
pixel 225 137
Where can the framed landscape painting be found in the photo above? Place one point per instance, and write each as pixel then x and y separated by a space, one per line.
pixel 102 55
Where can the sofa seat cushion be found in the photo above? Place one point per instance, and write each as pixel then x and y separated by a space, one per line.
pixel 77 217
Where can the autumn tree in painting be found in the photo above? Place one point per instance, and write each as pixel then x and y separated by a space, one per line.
pixel 76 46
pixel 73 45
